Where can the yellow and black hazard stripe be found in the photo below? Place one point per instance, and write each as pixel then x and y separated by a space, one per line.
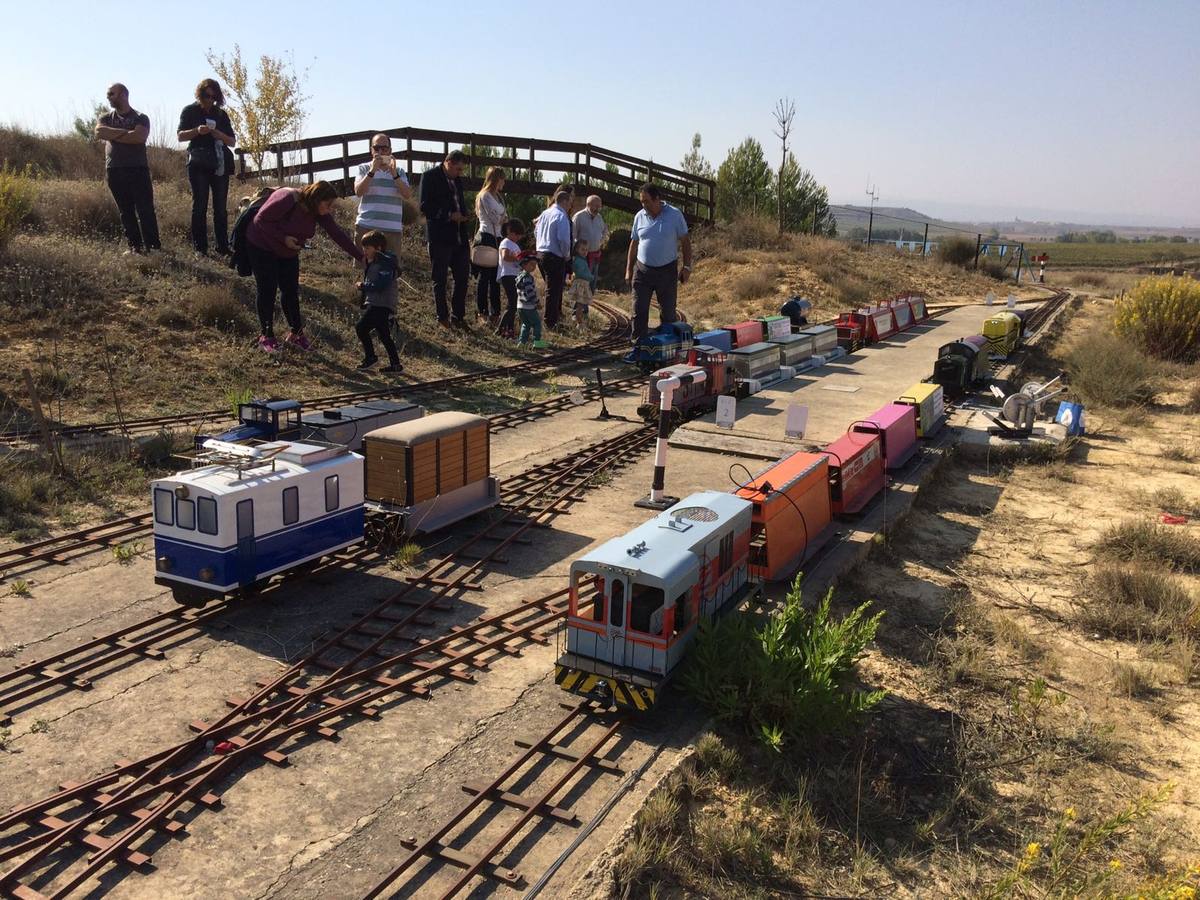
pixel 619 693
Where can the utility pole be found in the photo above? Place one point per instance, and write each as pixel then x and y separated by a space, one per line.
pixel 978 244
pixel 925 241
pixel 784 113
pixel 872 192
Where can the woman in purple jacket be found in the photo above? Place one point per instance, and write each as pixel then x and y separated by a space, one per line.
pixel 274 239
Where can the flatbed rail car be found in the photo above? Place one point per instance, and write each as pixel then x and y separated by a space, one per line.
pixel 655 585
pixel 431 471
pixel 247 513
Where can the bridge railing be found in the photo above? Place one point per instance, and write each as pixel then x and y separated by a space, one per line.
pixel 535 165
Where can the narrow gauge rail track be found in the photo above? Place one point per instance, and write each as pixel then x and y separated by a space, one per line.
pixel 64 841
pixel 525 795
pixel 63 547
pixel 613 338
pixel 76 668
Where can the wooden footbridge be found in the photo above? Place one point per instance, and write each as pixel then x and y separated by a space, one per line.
pixel 534 166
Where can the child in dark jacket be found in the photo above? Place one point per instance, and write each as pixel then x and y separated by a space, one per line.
pixel 527 302
pixel 379 301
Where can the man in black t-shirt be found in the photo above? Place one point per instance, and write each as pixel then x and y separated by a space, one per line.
pixel 124 131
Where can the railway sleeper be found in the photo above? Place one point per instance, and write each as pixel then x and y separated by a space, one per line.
pixel 476 788
pixel 446 853
pixel 134 858
pixel 560 752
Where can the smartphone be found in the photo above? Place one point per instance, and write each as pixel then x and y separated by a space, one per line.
pixel 385 161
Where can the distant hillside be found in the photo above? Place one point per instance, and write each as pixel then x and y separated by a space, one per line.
pixel 887 218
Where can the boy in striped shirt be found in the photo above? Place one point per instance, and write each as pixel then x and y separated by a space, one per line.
pixel 382 189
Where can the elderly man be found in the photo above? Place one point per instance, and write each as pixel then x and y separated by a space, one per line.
pixel 591 227
pixel 652 266
pixel 124 132
pixel 554 249
pixel 382 189
pixel 446 218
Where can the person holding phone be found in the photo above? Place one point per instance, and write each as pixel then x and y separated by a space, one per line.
pixel 274 238
pixel 205 127
pixel 381 188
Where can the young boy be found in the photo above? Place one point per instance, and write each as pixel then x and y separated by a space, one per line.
pixel 583 284
pixel 510 268
pixel 527 301
pixel 379 301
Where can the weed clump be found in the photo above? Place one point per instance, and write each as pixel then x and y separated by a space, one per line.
pixel 758 283
pixel 16 201
pixel 214 306
pixel 1162 316
pixel 957 251
pixel 787 677
pixel 1140 541
pixel 1136 603
pixel 1105 370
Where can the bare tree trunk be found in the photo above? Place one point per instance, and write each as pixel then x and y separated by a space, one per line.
pixel 784 113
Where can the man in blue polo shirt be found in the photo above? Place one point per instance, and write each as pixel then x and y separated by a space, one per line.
pixel 652 264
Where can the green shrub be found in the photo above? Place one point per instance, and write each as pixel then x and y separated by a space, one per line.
pixel 851 290
pixel 957 251
pixel 1105 369
pixel 1163 316
pixel 786 677
pixel 16 200
pixel 994 269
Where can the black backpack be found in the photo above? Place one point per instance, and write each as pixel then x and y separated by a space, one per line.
pixel 239 257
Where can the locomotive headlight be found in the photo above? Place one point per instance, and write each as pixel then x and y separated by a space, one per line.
pixel 206 574
pixel 164 564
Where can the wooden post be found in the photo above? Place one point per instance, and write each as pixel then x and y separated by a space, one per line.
pixel 925 241
pixel 408 157
pixel 43 426
pixel 712 205
pixel 587 172
pixel 472 175
pixel 345 162
pixel 279 163
pixel 978 243
pixel 308 160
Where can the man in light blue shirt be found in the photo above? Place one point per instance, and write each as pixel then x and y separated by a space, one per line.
pixel 553 234
pixel 651 268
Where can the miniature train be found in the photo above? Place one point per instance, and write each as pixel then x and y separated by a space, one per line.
pixel 636 600
pixel 248 511
pixel 749 356
pixel 965 364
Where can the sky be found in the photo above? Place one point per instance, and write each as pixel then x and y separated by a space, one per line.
pixel 1075 111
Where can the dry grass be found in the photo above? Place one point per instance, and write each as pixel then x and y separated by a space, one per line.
pixel 1137 603
pixel 1131 680
pixel 1106 370
pixel 1136 540
pixel 756 284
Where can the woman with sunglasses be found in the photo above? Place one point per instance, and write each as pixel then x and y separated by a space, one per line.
pixel 206 129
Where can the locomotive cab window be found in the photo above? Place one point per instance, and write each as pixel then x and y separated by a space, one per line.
pixel 331 493
pixel 616 605
pixel 292 419
pixel 185 514
pixel 682 612
pixel 206 515
pixel 645 603
pixel 726 559
pixel 291 505
pixel 164 507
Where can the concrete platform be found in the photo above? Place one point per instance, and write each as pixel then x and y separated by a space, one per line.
pixel 836 394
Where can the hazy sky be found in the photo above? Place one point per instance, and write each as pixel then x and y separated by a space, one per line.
pixel 1064 110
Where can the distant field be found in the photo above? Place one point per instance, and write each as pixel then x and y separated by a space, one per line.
pixel 1114 254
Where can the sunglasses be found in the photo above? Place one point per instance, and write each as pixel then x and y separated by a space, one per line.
pixel 383 148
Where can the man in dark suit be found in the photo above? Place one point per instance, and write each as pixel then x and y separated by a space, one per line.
pixel 446 221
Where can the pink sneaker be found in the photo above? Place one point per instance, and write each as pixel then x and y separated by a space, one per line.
pixel 297 339
pixel 268 344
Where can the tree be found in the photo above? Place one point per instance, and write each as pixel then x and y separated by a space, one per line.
pixel 799 198
pixel 784 113
pixel 265 108
pixel 694 162
pixel 744 181
pixel 84 128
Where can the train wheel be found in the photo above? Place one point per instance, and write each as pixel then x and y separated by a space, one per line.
pixel 185 595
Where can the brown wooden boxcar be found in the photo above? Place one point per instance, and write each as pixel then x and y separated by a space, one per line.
pixel 444 457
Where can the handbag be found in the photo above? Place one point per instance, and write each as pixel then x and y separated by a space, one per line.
pixel 484 252
pixel 203 157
